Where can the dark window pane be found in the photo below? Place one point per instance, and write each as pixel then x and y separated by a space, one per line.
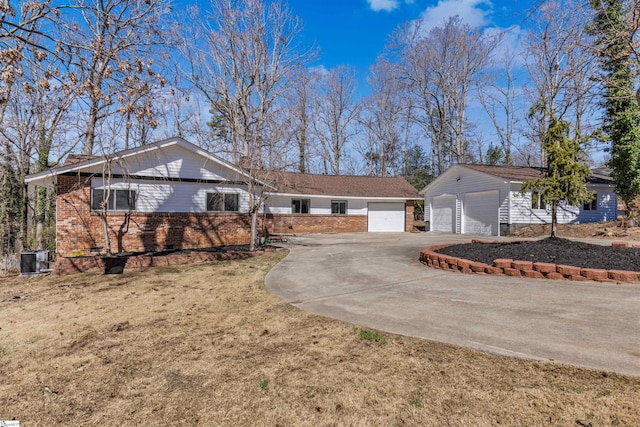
pixel 124 200
pixel 231 202
pixel 295 206
pixel 214 201
pixel 96 199
pixel 338 207
pixel 99 196
pixel 304 208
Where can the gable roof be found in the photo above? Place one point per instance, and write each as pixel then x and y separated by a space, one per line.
pixel 345 186
pixel 79 162
pixel 527 173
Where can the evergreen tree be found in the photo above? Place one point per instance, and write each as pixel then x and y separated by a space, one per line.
pixel 566 171
pixel 495 156
pixel 621 111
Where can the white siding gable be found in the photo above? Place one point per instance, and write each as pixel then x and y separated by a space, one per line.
pixel 174 161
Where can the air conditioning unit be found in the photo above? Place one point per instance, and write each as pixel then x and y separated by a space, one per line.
pixel 34 262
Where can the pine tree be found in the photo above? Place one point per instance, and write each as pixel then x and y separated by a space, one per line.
pixel 566 171
pixel 621 122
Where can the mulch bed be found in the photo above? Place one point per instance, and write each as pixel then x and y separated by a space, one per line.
pixel 552 250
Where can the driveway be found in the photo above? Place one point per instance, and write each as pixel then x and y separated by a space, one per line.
pixel 375 280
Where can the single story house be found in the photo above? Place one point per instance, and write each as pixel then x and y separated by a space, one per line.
pixel 175 195
pixel 486 200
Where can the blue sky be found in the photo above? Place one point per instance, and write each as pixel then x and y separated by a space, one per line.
pixel 354 32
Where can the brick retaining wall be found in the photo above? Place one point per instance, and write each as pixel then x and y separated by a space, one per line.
pixel 515 268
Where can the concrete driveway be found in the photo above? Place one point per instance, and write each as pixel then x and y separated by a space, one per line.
pixel 375 280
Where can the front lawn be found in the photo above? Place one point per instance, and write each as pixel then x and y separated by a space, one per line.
pixel 208 345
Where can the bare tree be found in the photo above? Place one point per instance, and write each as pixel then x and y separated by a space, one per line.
pixel 386 118
pixel 300 106
pixel 241 59
pixel 561 67
pixel 498 95
pixel 440 67
pixel 109 47
pixel 336 116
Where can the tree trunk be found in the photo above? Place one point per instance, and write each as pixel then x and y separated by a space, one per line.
pixel 105 229
pixel 254 230
pixel 554 219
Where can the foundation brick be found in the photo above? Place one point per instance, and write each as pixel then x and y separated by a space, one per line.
pixel 577 278
pixel 465 270
pixel 512 272
pixel 532 274
pixel 568 270
pixel 554 276
pixel 522 265
pixel 464 263
pixel 623 276
pixel 620 244
pixel 478 267
pixel 497 271
pixel 594 274
pixel 544 267
pixel 502 263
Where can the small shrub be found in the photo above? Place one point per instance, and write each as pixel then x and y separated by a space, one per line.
pixel 366 335
pixel 264 384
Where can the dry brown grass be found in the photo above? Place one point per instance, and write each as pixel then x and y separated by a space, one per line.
pixel 192 345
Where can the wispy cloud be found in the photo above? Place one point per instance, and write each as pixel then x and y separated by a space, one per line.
pixel 473 12
pixel 386 5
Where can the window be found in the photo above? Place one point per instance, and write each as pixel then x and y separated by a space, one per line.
pixel 536 201
pixel 591 205
pixel 339 207
pixel 223 202
pixel 119 200
pixel 300 206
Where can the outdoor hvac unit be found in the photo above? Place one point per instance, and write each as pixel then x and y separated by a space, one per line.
pixel 34 262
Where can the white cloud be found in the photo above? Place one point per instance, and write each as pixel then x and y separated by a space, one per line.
pixel 473 12
pixel 510 45
pixel 386 5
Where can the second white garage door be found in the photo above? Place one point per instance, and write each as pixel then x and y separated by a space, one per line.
pixel 443 214
pixel 386 217
pixel 480 213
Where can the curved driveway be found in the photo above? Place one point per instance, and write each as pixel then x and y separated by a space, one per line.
pixel 375 280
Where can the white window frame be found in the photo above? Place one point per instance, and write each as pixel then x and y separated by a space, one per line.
pixel 223 201
pixel 339 203
pixel 113 200
pixel 301 204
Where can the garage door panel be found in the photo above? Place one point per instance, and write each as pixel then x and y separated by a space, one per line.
pixel 443 215
pixel 386 217
pixel 480 213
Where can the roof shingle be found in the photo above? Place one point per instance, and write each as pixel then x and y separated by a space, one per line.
pixel 345 185
pixel 527 173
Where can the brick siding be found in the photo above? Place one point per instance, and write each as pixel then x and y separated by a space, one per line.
pixel 306 223
pixel 79 231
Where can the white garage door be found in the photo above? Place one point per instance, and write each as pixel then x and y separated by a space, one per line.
pixel 480 213
pixel 386 217
pixel 443 214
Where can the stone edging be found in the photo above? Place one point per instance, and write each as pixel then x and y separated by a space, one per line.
pixel 534 270
pixel 64 266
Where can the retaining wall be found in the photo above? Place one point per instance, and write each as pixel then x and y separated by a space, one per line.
pixel 515 268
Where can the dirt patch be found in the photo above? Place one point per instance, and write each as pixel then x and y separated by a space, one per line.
pixel 598 230
pixel 208 345
pixel 556 251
